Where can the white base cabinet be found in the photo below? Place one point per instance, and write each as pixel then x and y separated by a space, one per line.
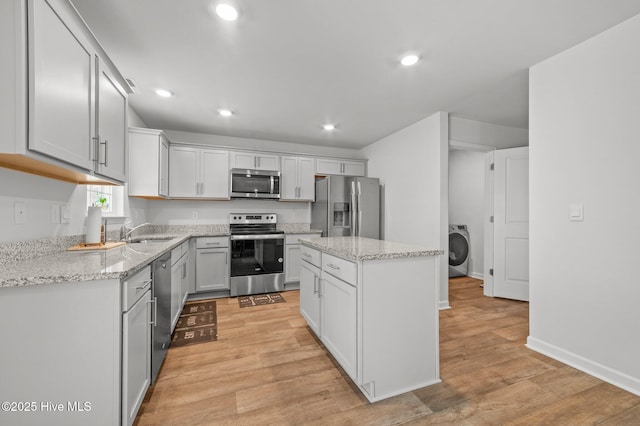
pixel 310 295
pixel 378 318
pixel 292 255
pixel 212 264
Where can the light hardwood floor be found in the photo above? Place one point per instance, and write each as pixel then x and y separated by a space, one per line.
pixel 267 368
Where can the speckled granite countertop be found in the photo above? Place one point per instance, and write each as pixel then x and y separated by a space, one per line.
pixel 357 248
pixel 64 266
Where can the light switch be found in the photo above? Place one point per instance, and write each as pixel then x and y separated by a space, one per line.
pixel 576 212
pixel 65 213
pixel 55 213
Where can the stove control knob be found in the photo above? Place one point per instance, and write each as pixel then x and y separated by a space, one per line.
pixel 280 260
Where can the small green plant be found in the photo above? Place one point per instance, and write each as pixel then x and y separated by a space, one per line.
pixel 102 202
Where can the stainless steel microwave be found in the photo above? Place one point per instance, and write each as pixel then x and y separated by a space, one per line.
pixel 247 183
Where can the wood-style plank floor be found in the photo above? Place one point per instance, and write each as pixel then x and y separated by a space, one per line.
pixel 267 369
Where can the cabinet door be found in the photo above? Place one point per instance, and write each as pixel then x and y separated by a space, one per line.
pixel 136 357
pixel 338 318
pixel 183 171
pixel 212 269
pixel 61 75
pixel 176 292
pixel 289 179
pixel 184 287
pixel 214 171
pixel 353 168
pixel 328 167
pixel 243 160
pixel 292 263
pixel 306 179
pixel 163 172
pixel 267 162
pixel 310 296
pixel 111 125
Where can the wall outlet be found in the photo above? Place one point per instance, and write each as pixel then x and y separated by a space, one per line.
pixel 20 213
pixel 55 213
pixel 194 215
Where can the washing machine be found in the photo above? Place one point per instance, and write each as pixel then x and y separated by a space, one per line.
pixel 459 250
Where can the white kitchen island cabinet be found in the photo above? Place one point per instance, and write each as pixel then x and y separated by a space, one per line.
pixel 378 313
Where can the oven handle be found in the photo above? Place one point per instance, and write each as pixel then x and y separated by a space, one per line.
pixel 257 237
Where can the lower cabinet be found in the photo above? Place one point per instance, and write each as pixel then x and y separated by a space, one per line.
pixel 338 321
pixel 179 280
pixel 136 357
pixel 212 264
pixel 292 256
pixel 310 295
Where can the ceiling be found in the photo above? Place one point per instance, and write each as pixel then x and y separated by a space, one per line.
pixel 286 67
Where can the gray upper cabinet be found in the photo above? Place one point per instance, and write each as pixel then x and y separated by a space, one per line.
pixel 66 113
pixel 332 166
pixel 148 163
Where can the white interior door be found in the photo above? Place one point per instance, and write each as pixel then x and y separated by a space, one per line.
pixel 511 224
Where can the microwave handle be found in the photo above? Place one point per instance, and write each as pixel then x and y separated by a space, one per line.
pixel 272 183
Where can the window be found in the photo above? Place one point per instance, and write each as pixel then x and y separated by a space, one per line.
pixel 100 196
pixel 110 198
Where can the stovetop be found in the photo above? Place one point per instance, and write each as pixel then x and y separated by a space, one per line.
pixel 253 223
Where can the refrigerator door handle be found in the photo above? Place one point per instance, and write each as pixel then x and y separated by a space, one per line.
pixel 354 218
pixel 359 210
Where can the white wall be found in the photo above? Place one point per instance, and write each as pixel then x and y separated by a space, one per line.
pixel 412 167
pixel 465 131
pixel 177 212
pixel 466 202
pixel 584 149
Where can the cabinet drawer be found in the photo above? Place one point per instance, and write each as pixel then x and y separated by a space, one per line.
pixel 295 238
pixel 340 268
pixel 212 242
pixel 310 255
pixel 134 287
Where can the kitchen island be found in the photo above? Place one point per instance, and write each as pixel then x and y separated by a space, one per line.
pixel 374 305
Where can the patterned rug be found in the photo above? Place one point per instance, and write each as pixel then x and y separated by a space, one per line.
pixel 260 299
pixel 197 324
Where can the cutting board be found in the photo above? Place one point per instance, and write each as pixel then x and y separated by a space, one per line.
pixel 102 246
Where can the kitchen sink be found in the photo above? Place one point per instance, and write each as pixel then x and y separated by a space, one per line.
pixel 146 240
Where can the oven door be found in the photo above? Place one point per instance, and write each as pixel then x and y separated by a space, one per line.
pixel 257 264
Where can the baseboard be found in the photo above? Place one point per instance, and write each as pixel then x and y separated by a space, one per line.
pixel 443 304
pixel 602 372
pixel 476 275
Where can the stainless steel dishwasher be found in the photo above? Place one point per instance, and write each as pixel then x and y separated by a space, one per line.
pixel 161 295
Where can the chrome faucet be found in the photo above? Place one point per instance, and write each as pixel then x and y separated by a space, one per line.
pixel 125 234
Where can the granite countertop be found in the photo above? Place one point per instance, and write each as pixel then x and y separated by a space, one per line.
pixel 358 248
pixel 117 263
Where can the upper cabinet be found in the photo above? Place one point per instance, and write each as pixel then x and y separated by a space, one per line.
pixel 332 166
pixel 148 163
pixel 198 173
pixel 65 115
pixel 254 161
pixel 298 179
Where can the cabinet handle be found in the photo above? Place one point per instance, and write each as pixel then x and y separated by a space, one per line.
pixel 212 244
pixel 332 266
pixel 315 284
pixel 306 255
pixel 155 310
pixel 105 151
pixel 184 270
pixel 145 285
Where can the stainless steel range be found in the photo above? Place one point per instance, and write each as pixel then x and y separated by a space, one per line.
pixel 257 254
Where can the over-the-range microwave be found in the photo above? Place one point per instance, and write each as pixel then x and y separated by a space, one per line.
pixel 247 183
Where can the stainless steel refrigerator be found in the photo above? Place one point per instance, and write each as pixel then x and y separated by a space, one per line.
pixel 347 206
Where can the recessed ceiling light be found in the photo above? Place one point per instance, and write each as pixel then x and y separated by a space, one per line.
pixel 227 12
pixel 225 112
pixel 164 93
pixel 329 127
pixel 409 60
